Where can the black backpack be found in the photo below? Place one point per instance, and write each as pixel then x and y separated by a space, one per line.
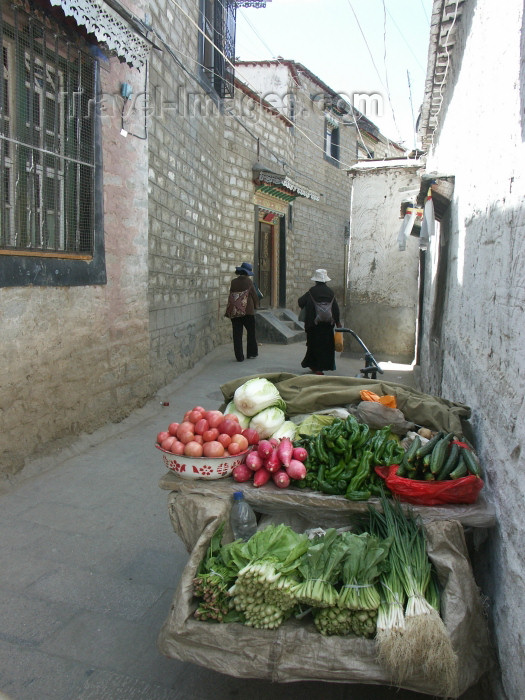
pixel 323 311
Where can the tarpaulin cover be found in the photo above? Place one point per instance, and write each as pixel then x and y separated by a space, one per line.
pixel 307 393
pixel 297 652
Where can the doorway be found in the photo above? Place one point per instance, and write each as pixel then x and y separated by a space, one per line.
pixel 267 263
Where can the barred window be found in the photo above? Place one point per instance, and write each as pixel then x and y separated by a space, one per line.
pixel 217 42
pixel 47 140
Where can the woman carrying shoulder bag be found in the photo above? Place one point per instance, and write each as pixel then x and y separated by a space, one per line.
pixel 242 302
pixel 320 347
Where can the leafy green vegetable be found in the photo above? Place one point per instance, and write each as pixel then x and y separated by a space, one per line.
pixel 268 421
pixel 257 394
pixel 364 561
pixel 320 567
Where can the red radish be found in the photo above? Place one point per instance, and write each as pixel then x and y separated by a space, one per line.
pixel 172 428
pixel 272 462
pixel 300 454
pixel 242 473
pixel 251 435
pixel 296 470
pixel 162 436
pixel 284 451
pixel 274 442
pixel 261 477
pixel 281 479
pixel 254 461
pixel 264 448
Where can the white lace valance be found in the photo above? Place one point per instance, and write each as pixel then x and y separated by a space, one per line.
pixel 108 27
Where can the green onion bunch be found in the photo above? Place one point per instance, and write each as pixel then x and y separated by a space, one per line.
pixel 423 644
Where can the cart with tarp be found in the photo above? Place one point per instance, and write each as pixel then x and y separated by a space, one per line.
pixel 295 651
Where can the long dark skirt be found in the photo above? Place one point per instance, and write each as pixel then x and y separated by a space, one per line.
pixel 320 348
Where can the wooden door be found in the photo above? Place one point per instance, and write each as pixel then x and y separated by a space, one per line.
pixel 267 263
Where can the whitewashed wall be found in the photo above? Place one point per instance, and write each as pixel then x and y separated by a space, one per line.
pixel 382 280
pixel 481 346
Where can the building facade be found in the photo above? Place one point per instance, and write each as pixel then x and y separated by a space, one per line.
pixel 473 320
pixel 144 167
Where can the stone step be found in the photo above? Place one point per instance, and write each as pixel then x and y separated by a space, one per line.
pixel 279 326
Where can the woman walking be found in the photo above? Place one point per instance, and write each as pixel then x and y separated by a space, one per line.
pixel 242 290
pixel 320 348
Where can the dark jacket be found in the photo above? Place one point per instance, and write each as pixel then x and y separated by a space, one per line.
pixel 239 284
pixel 320 292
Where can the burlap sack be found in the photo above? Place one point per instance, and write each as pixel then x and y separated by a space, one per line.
pixel 297 652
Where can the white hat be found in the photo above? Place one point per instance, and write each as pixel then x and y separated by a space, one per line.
pixel 320 276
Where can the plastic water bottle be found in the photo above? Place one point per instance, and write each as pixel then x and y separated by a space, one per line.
pixel 242 518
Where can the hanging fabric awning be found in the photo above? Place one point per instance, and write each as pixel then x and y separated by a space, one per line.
pixel 109 28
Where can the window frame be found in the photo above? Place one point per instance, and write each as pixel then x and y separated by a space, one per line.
pixel 37 265
pixel 332 147
pixel 217 22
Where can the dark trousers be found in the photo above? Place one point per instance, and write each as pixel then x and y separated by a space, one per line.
pixel 238 324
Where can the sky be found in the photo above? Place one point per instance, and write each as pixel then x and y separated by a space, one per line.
pixel 354 46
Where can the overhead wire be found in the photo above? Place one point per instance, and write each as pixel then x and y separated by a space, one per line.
pixel 386 73
pixel 247 82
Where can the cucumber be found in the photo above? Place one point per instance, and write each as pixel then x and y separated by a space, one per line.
pixel 471 461
pixel 411 453
pixel 460 470
pixel 439 453
pixel 427 447
pixel 450 463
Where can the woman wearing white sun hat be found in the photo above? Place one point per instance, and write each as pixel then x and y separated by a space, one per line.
pixel 320 348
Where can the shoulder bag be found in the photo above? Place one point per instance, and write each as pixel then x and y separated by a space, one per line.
pixel 237 302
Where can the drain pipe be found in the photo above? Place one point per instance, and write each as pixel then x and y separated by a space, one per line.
pixel 348 230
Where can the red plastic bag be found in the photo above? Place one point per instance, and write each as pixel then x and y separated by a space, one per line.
pixel 431 493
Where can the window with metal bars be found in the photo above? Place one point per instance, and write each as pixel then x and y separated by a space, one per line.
pixel 47 140
pixel 217 45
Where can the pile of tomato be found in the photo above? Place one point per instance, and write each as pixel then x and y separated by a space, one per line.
pixel 207 433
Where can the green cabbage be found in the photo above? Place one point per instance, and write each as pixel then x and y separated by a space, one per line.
pixel 255 395
pixel 268 421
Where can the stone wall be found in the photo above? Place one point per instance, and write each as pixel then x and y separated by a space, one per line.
pixel 75 358
pixel 474 327
pixel 201 209
pixel 383 280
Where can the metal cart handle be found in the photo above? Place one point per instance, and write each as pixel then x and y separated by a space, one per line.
pixel 371 365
